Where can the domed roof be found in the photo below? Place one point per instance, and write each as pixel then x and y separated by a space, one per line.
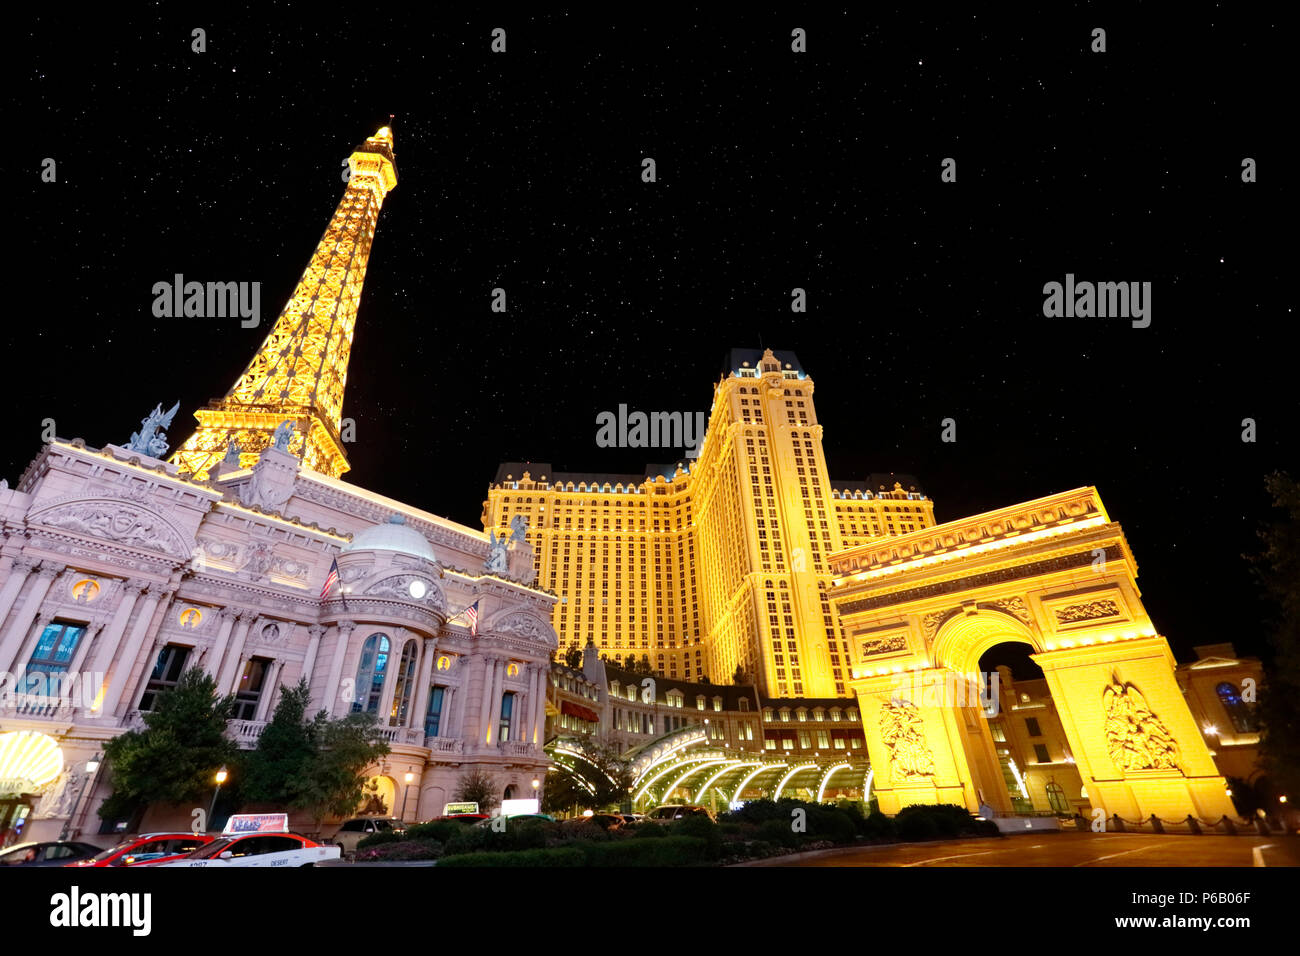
pixel 393 536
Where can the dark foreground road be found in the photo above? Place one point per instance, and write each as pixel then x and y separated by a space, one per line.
pixel 1068 849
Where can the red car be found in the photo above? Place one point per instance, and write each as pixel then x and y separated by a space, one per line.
pixel 149 848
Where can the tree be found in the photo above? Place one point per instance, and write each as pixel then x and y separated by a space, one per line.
pixel 602 780
pixel 173 760
pixel 478 786
pixel 333 777
pixel 274 770
pixel 1277 569
pixel 741 676
pixel 573 657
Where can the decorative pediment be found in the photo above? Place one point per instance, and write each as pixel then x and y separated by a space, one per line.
pixel 523 624
pixel 116 520
pixel 409 587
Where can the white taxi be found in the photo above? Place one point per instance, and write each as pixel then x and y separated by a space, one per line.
pixel 260 849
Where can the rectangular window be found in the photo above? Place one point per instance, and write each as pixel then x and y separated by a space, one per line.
pixel 249 690
pixel 1031 725
pixel 166 672
pixel 53 654
pixel 433 718
pixel 823 739
pixel 1040 754
pixel 507 709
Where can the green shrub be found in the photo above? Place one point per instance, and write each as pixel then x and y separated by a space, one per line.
pixel 652 830
pixel 877 826
pixel 524 835
pixel 560 856
pixel 402 850
pixel 916 826
pixel 378 839
pixel 945 820
pixel 702 828
pixel 831 823
pixel 440 830
pixel 670 851
pixel 778 832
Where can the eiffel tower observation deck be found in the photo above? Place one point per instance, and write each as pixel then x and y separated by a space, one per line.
pixel 299 373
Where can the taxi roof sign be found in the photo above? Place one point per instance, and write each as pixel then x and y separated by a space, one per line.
pixel 451 809
pixel 257 823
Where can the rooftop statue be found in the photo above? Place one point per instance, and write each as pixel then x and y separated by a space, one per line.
pixel 518 528
pixel 498 562
pixel 283 435
pixel 151 440
pixel 232 454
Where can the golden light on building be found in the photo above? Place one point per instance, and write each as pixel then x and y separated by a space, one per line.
pixel 300 371
pixel 28 761
pixel 724 564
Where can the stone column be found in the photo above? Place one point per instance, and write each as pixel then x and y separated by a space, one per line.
pixel 424 676
pixel 16 636
pixel 107 644
pixel 396 646
pixel 452 721
pixel 18 573
pixel 316 631
pixel 537 702
pixel 230 672
pixel 75 689
pixel 127 659
pixel 494 721
pixel 331 702
pixel 212 666
pixel 485 703
pixel 270 686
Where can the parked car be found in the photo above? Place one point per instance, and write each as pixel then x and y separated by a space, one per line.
pixel 629 818
pixel 677 811
pixel 357 829
pixel 519 818
pixel 53 853
pixel 258 849
pixel 467 818
pixel 149 848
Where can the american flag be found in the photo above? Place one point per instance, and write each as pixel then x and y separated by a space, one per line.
pixel 331 579
pixel 471 615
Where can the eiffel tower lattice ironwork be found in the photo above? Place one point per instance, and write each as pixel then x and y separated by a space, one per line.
pixel 299 372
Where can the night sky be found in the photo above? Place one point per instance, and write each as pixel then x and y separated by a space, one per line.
pixel 775 170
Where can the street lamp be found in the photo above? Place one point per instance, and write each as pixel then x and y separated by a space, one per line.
pixel 221 776
pixel 409 777
pixel 92 765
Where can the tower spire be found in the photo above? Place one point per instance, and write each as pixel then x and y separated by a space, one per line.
pixel 299 372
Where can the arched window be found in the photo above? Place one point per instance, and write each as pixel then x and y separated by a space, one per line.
pixel 1056 797
pixel 370 674
pixel 1239 712
pixel 510 793
pixel 405 684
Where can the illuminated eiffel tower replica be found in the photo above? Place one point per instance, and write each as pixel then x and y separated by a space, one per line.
pixel 299 372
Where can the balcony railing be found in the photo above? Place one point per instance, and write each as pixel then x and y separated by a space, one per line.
pixel 245 732
pixel 402 735
pixel 445 745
